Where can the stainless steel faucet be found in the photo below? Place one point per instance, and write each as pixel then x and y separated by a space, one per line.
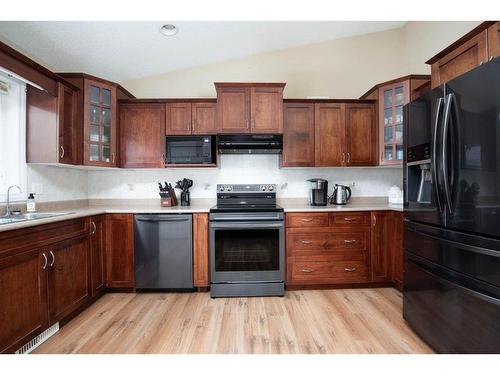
pixel 7 208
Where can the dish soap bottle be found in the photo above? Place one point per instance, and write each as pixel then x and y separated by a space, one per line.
pixel 30 203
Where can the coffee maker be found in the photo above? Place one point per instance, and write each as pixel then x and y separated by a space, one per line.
pixel 319 192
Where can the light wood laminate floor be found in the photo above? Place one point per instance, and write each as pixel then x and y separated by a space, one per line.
pixel 308 321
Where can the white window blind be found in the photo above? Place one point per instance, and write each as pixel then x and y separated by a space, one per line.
pixel 12 137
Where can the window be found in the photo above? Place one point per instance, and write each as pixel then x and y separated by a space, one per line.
pixel 12 137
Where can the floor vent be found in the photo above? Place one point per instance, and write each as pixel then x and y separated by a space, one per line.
pixel 42 337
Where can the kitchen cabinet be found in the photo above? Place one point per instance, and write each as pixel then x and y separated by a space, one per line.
pixel 396 233
pixel 360 134
pixel 298 135
pixel 329 134
pixel 391 96
pixel 200 251
pixel 494 40
pixel 52 135
pixel 195 117
pixel 98 254
pixel 327 248
pixel 381 246
pixel 68 276
pixel 473 49
pixel 44 277
pixel 249 107
pixel 120 266
pixel 142 140
pixel 344 134
pixel 97 117
pixel 23 299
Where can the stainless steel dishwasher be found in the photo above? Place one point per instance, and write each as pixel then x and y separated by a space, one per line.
pixel 164 252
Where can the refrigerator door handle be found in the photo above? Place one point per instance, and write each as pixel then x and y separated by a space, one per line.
pixel 435 154
pixel 444 151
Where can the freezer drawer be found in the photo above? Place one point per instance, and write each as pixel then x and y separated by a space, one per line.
pixel 451 312
pixel 472 255
pixel 164 251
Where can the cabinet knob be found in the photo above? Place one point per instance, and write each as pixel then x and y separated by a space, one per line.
pixel 349 241
pixel 94 227
pixel 306 242
pixel 45 261
pixel 350 269
pixel 62 152
pixel 307 220
pixel 306 270
pixel 343 157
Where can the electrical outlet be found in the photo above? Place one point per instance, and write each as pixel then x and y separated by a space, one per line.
pixel 37 188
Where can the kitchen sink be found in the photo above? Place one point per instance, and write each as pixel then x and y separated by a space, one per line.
pixel 30 216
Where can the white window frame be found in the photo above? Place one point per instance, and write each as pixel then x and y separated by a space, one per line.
pixel 15 195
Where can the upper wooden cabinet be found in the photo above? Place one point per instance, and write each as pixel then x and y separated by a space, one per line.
pixel 345 134
pixel 250 107
pixel 298 135
pixel 360 141
pixel 328 133
pixel 494 40
pixel 473 49
pixel 196 117
pixel 97 117
pixel 391 96
pixel 52 134
pixel 142 129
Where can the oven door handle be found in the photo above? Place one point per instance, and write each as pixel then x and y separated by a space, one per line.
pixel 242 225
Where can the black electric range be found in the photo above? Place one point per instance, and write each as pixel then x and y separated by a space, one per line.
pixel 247 242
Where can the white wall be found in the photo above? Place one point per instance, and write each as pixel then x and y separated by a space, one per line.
pixel 240 169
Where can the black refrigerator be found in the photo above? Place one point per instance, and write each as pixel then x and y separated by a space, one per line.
pixel 451 294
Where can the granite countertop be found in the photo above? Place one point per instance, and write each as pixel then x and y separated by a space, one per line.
pixel 84 208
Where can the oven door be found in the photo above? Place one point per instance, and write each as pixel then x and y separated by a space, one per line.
pixel 247 251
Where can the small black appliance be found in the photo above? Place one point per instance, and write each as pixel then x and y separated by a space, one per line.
pixel 319 192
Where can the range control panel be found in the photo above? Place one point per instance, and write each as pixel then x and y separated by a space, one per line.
pixel 242 188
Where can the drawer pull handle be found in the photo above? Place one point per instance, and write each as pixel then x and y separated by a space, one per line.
pixel 349 241
pixel 45 261
pixel 306 270
pixel 307 220
pixel 349 219
pixel 306 242
pixel 350 269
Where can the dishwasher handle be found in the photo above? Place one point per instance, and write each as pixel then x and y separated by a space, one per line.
pixel 156 219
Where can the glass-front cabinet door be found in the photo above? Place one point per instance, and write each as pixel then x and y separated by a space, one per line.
pixel 392 98
pixel 99 124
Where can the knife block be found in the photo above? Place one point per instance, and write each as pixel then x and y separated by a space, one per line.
pixel 168 202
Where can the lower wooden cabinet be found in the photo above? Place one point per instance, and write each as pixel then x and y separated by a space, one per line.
pixel 396 238
pixel 68 276
pixel 44 278
pixel 344 248
pixel 200 251
pixel 120 271
pixel 380 246
pixel 97 254
pixel 23 299
pixel 328 248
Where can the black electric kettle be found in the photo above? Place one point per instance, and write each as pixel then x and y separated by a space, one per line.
pixel 341 194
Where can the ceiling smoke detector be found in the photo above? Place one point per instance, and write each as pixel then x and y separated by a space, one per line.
pixel 169 29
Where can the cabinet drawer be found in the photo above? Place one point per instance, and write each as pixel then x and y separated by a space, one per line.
pixel 307 220
pixel 345 244
pixel 349 218
pixel 329 272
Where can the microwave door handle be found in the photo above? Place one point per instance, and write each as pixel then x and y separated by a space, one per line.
pixel 445 153
pixel 435 155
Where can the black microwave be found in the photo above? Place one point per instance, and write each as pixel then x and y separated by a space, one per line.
pixel 190 149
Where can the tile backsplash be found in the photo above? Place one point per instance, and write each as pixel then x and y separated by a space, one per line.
pixel 142 183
